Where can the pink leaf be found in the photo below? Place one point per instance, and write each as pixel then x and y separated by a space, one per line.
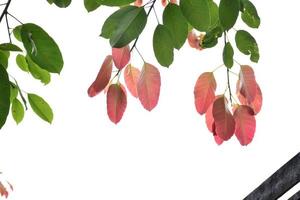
pixel 204 91
pixel 245 124
pixel 194 40
pixel 224 121
pixel 248 85
pixel 148 86
pixel 164 2
pixel 116 102
pixel 121 56
pixel 256 104
pixel 3 190
pixel 209 119
pixel 138 3
pixel 131 77
pixel 102 79
pixel 218 140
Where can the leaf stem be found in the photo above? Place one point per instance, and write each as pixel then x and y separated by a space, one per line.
pixel 5 10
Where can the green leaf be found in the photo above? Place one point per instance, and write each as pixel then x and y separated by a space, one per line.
pixel 22 63
pixel 163 45
pixel 60 3
pixel 228 55
pixel 4 59
pixel 247 45
pixel 249 14
pixel 114 2
pixel 41 48
pixel 197 13
pixel 14 91
pixel 112 22
pixel 37 72
pixel 176 23
pixel 40 107
pixel 5 95
pixel 129 27
pixel 17 33
pixel 91 5
pixel 228 13
pixel 211 38
pixel 214 14
pixel 9 47
pixel 17 110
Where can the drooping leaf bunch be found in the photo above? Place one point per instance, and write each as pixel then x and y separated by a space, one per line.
pixel 39 58
pixel 202 23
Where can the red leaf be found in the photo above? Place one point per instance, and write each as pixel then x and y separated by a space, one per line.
pixel 257 102
pixel 148 86
pixel 194 40
pixel 138 3
pixel 245 124
pixel 116 102
pixel 204 91
pixel 164 2
pixel 248 85
pixel 121 56
pixel 3 190
pixel 131 77
pixel 103 77
pixel 209 119
pixel 224 122
pixel 218 140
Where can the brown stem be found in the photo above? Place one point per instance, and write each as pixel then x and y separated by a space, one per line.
pixel 5 10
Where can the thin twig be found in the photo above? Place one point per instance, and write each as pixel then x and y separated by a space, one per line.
pixel 5 10
pixel 8 28
pixel 15 18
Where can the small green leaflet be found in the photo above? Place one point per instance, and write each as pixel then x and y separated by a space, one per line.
pixel 228 55
pixel 247 45
pixel 41 48
pixel 114 2
pixel 41 107
pixel 91 5
pixel 129 27
pixel 197 13
pixel 249 14
pixel 176 23
pixel 163 45
pixel 60 3
pixel 22 63
pixel 9 47
pixel 4 59
pixel 228 13
pixel 37 72
pixel 14 91
pixel 17 110
pixel 17 33
pixel 5 95
pixel 112 22
pixel 211 38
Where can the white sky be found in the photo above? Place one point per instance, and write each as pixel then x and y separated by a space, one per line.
pixel 165 154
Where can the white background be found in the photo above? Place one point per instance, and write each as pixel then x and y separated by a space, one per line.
pixel 165 154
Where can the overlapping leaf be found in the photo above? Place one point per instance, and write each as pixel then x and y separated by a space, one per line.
pixel 116 102
pixel 131 77
pixel 121 56
pixel 248 85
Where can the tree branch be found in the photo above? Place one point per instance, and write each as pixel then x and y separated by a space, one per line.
pixel 5 10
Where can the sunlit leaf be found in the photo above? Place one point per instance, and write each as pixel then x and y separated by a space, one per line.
pixel 224 121
pixel 249 14
pixel 9 47
pixel 37 72
pixel 204 91
pixel 245 124
pixel 247 45
pixel 22 63
pixel 131 77
pixel 40 107
pixel 91 5
pixel 121 56
pixel 116 102
pixel 17 110
pixel 149 86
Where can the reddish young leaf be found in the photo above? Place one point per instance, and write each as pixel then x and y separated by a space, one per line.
pixel 148 86
pixel 116 102
pixel 209 119
pixel 194 40
pixel 164 2
pixel 224 121
pixel 121 56
pixel 131 77
pixel 204 91
pixel 138 3
pixel 103 77
pixel 218 140
pixel 257 102
pixel 3 190
pixel 248 85
pixel 245 124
